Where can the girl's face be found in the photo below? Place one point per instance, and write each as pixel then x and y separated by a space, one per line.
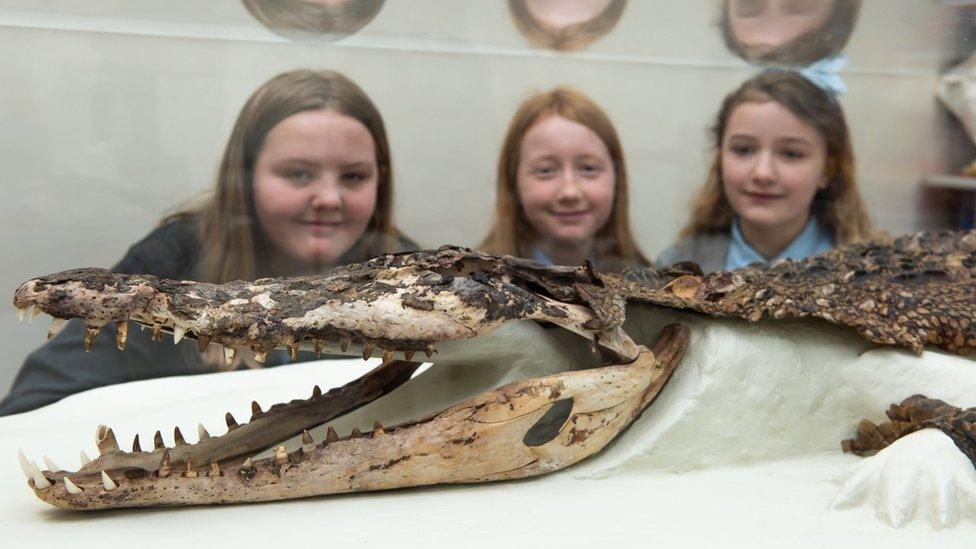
pixel 772 166
pixel 315 185
pixel 565 181
pixel 763 25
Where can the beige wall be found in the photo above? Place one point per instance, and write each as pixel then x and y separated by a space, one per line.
pixel 113 112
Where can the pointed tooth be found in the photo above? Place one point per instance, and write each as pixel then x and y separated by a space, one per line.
pixel 248 464
pixel 255 409
pixel 356 433
pixel 378 429
pixel 136 447
pixel 429 351
pixel 280 455
pixel 231 422
pixel 25 464
pixel 191 471
pixel 157 331
pixel 408 355
pixel 260 356
pixel 56 325
pixel 108 483
pixel 32 313
pixel 202 343
pixel 307 439
pixel 367 350
pixel 121 331
pixel 71 487
pixel 21 313
pixel 105 440
pixel 331 435
pixel 40 481
pixel 51 466
pixel 85 460
pixel 178 333
pixel 202 433
pixel 387 356
pixel 318 348
pixel 344 345
pixel 91 332
pixel 214 469
pixel 293 352
pixel 316 391
pixel 178 439
pixel 158 441
pixel 230 354
pixel 164 468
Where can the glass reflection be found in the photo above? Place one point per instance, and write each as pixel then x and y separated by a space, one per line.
pixel 787 32
pixel 303 19
pixel 565 24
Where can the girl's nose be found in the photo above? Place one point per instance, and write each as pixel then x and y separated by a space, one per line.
pixel 569 187
pixel 325 195
pixel 764 170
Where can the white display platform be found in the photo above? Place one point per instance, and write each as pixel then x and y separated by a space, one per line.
pixel 610 499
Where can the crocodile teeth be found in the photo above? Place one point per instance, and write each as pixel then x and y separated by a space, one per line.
pixel 229 354
pixel 231 422
pixel 164 469
pixel 293 352
pixel 318 348
pixel 71 487
pixel 260 356
pixel 32 313
pixel 255 408
pixel 202 343
pixel 387 356
pixel 136 447
pixel 343 345
pixel 85 460
pixel 121 331
pixel 51 466
pixel 178 333
pixel 56 325
pixel 108 483
pixel 408 355
pixel 20 314
pixel 378 429
pixel 280 455
pixel 25 464
pixel 178 439
pixel 40 481
pixel 105 440
pixel 91 332
pixel 214 469
pixel 202 432
pixel 308 443
pixel 158 440
pixel 429 351
pixel 191 471
pixel 331 435
pixel 367 350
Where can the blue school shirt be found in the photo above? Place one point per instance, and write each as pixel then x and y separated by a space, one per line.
pixel 812 240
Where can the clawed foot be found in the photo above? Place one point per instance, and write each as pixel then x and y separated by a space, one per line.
pixel 920 474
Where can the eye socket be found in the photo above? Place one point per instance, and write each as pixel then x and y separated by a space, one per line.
pixel 793 154
pixel 299 176
pixel 591 169
pixel 354 177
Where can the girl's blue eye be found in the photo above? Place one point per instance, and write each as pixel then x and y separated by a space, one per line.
pixel 544 171
pixel 740 150
pixel 353 177
pixel 299 176
pixel 793 155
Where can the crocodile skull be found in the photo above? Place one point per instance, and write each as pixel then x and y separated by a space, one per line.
pixel 459 306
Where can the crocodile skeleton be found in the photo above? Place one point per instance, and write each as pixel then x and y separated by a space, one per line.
pixel 912 292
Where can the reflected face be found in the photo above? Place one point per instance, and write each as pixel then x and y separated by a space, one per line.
pixel 565 181
pixel 763 25
pixel 773 164
pixel 315 186
pixel 559 14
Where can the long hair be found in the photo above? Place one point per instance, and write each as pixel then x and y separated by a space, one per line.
pixel 838 207
pixel 511 232
pixel 296 19
pixel 824 41
pixel 569 38
pixel 231 239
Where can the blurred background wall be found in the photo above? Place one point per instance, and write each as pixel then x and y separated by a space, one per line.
pixel 115 112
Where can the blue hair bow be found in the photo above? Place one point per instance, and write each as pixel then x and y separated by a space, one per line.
pixel 825 74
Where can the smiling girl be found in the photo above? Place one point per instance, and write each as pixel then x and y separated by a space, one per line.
pixel 782 182
pixel 561 189
pixel 305 184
